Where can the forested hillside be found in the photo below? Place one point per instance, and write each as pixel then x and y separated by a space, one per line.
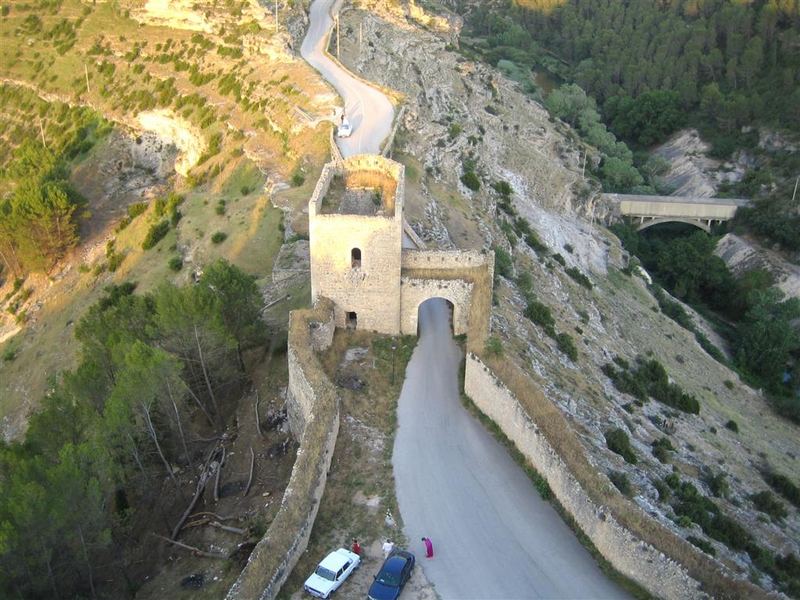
pixel 733 63
pixel 160 373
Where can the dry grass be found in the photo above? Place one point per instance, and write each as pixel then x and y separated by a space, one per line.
pixel 557 431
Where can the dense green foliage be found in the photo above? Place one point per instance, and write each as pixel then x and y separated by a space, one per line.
pixel 689 503
pixel 758 320
pixel 157 372
pixel 37 222
pixel 736 61
pixel 649 379
pixel 784 486
pixel 617 441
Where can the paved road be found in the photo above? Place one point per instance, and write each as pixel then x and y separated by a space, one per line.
pixel 494 537
pixel 368 110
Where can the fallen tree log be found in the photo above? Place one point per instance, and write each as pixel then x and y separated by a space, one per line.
pixel 250 477
pixel 192 549
pixel 201 485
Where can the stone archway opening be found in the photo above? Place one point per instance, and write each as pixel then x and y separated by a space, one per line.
pixel 435 313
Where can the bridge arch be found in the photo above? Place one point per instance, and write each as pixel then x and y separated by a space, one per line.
pixel 646 222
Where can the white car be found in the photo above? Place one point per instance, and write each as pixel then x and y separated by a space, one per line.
pixel 344 130
pixel 331 573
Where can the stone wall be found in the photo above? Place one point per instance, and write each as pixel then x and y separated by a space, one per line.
pixel 635 545
pixel 313 406
pixel 372 289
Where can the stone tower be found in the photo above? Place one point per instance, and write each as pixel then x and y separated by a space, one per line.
pixel 355 222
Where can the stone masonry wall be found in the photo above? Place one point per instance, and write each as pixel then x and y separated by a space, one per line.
pixel 641 562
pixel 371 290
pixel 636 545
pixel 315 405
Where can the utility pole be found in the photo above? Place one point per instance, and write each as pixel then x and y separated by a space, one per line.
pixel 583 166
pixel 360 38
pixel 794 193
pixel 86 72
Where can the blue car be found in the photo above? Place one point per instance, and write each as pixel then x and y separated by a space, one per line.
pixel 394 574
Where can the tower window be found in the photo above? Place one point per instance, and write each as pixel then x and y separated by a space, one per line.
pixel 355 258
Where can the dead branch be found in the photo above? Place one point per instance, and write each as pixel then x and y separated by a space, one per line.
pixel 250 477
pixel 216 480
pixel 258 419
pixel 211 514
pixel 201 485
pixel 192 549
pixel 228 528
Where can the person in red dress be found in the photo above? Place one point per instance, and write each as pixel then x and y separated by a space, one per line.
pixel 356 547
pixel 428 547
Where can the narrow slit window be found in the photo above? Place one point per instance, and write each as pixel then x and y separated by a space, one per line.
pixel 355 258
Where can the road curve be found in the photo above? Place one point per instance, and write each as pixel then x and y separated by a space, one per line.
pixel 494 537
pixel 368 110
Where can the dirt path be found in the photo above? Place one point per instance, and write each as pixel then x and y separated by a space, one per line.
pixel 368 110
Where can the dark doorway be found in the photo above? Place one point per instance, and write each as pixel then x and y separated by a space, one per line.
pixel 355 258
pixel 430 312
pixel 351 320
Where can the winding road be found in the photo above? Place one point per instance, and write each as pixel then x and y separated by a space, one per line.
pixel 494 537
pixel 368 110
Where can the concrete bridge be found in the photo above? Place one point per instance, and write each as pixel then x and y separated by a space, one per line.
pixel 652 210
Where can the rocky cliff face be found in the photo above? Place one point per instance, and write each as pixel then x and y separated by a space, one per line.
pixel 743 255
pixel 461 112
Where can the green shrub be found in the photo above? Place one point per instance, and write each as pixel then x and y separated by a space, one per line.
pixel 502 187
pixel 618 442
pixel 718 484
pixel 114 261
pixel 767 503
pixel 134 210
pixel 525 282
pixel 155 234
pixel 648 379
pixel 559 259
pixel 494 346
pixel 582 279
pixel 620 481
pixel 219 237
pixel 220 208
pixel 540 314
pixel 664 491
pixel 503 263
pixel 9 354
pixel 298 178
pixel 470 180
pixel 175 263
pixel 662 448
pixel 702 544
pixel 784 486
pixel 733 426
pixel 567 346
